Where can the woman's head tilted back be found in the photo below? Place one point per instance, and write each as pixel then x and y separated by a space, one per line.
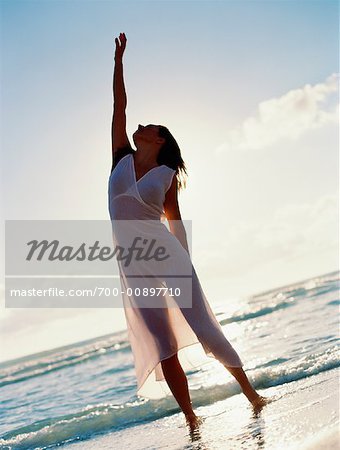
pixel 158 139
pixel 170 155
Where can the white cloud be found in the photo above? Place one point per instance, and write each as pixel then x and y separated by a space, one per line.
pixel 294 233
pixel 288 116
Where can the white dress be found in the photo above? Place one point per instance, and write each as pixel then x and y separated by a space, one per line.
pixel 156 333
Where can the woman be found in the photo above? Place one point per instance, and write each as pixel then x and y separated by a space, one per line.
pixel 143 185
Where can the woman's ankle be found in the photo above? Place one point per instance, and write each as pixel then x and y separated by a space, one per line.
pixel 252 395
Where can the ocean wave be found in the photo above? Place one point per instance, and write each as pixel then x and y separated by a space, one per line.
pixel 334 302
pixel 60 360
pixel 105 417
pixel 259 311
pixel 64 357
pixel 303 289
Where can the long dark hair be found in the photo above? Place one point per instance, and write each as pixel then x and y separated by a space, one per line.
pixel 170 155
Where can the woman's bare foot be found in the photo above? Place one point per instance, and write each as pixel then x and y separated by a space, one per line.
pixel 193 421
pixel 259 402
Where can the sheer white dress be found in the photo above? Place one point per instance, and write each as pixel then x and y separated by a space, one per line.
pixel 156 333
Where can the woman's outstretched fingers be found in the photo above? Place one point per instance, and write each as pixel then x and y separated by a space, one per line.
pixel 123 40
pixel 120 45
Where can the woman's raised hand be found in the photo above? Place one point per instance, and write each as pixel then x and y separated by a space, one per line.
pixel 120 46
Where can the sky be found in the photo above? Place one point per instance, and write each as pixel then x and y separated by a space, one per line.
pixel 248 88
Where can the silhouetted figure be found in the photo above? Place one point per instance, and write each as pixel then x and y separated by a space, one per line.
pixel 144 185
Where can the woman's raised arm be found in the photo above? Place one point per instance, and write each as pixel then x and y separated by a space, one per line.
pixel 118 130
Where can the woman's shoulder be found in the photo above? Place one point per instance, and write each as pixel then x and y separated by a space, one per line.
pixel 121 153
pixel 168 168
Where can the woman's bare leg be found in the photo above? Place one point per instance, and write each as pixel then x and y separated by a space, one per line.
pixel 255 399
pixel 178 384
pixel 242 379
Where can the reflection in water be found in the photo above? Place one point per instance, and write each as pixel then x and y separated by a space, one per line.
pixel 252 436
pixel 196 441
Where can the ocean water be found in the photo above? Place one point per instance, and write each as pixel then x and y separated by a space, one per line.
pixel 79 394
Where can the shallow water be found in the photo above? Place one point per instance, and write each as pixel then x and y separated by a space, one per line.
pixel 87 390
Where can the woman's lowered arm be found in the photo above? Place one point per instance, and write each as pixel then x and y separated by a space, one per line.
pixel 173 215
